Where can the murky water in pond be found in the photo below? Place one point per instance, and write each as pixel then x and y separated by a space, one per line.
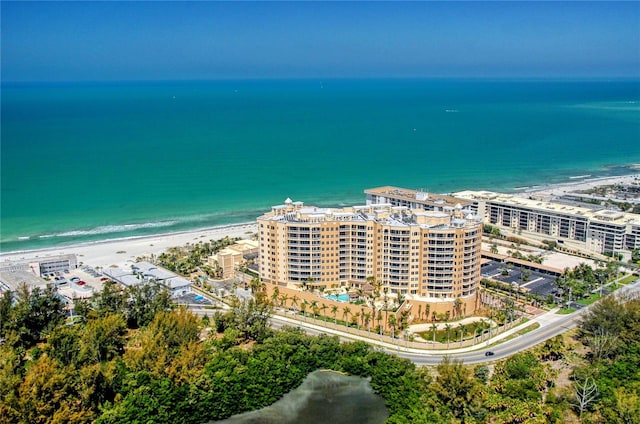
pixel 323 397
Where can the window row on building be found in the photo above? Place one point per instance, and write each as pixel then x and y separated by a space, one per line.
pixel 426 254
pixel 601 231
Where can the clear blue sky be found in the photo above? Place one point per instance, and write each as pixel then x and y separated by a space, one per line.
pixel 76 41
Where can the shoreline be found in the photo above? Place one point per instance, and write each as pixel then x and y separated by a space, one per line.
pixel 119 251
pixel 574 185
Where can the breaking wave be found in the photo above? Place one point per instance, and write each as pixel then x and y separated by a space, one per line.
pixel 109 229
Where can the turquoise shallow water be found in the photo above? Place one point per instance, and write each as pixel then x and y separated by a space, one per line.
pixel 88 162
pixel 339 298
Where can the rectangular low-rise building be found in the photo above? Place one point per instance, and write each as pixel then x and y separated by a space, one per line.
pixel 600 231
pixel 143 272
pixel 412 199
pixel 231 257
pixel 33 271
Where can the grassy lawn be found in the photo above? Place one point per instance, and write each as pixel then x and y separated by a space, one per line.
pixel 566 311
pixel 628 279
pixel 528 328
pixel 525 330
pixel 590 299
pixel 454 334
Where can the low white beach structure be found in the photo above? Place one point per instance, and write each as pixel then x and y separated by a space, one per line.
pixel 144 272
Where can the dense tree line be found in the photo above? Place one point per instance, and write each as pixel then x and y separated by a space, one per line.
pixel 583 279
pixel 122 363
pixel 611 331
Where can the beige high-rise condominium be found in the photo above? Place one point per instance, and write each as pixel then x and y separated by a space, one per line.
pixel 430 257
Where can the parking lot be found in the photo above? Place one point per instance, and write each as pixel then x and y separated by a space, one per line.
pixel 193 299
pixel 537 282
pixel 81 282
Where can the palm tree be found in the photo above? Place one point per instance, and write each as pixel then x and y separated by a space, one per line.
pixel 324 310
pixel 283 300
pixel 508 306
pixel 404 320
pixel 355 319
pixel 373 311
pixel 392 323
pixel 447 327
pixel 274 296
pixel 372 281
pixel 345 314
pixel 400 298
pixel 307 282
pixel 434 328
pixel 255 285
pixel 367 319
pixel 303 307
pixel 334 311
pixel 457 304
pixel 461 327
pixel 491 317
pixel 386 307
pixel 294 302
pixel 314 308
pixel 379 318
pixel 377 287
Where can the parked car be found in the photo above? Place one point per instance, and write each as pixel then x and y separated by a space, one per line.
pixel 81 283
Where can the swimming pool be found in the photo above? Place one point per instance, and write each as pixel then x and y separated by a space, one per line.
pixel 340 298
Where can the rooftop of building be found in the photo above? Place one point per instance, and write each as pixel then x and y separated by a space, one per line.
pixel 11 280
pixel 148 270
pixel 398 216
pixel 417 196
pixel 6 264
pixel 177 282
pixel 603 215
pixel 240 247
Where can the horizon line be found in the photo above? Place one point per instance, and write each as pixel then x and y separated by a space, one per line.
pixel 321 79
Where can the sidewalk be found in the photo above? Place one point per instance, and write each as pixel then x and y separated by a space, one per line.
pixel 544 320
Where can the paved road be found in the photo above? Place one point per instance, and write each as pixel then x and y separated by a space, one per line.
pixel 501 350
pixel 557 324
pixel 551 325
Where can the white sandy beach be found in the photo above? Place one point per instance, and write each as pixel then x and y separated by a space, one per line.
pixel 579 184
pixel 123 251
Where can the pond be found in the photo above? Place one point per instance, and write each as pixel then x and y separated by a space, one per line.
pixel 323 397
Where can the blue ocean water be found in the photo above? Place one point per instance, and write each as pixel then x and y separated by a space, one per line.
pixel 94 161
